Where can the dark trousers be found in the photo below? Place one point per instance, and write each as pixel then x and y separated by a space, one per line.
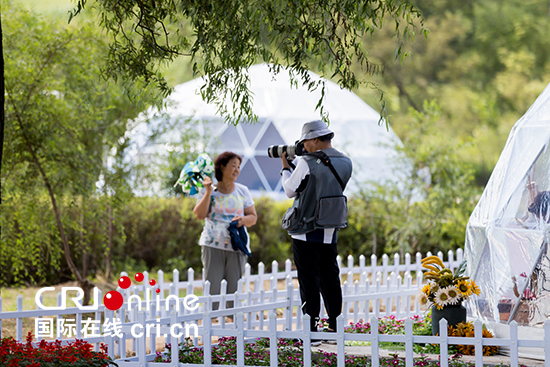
pixel 318 272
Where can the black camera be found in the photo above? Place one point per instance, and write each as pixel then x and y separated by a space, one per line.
pixel 276 151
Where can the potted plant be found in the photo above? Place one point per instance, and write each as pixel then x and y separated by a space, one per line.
pixel 445 292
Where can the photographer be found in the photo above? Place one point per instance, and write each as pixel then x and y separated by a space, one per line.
pixel 319 210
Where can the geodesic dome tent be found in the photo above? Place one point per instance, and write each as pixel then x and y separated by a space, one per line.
pixel 282 110
pixel 505 249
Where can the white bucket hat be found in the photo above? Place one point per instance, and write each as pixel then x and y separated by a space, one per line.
pixel 314 129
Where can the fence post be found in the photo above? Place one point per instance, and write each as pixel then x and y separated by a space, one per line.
pixel 152 337
pixel 398 298
pixel 240 339
pixel 289 306
pixel 373 264
pixel 261 271
pixel 110 315
pixel 444 343
pixel 385 261
pixel 19 320
pixel 361 264
pixel 288 268
pixel 58 333
pixel 407 262
pixel 274 270
pixel 39 337
pixel 221 304
pixel 418 267
pixel 450 257
pixel 396 263
pixel 350 263
pixel 459 255
pixel 122 339
pixel 340 347
pixel 547 343
pixel 207 341
pixel 176 281
pixel 174 347
pixel 345 308
pixel 409 360
pixel 513 343
pixel 478 335
pixel 306 341
pixel 357 304
pixel 190 280
pixel 408 285
pixel 375 353
pixel 247 277
pixel 160 284
pixel 141 352
pixel 261 313
pixel 273 338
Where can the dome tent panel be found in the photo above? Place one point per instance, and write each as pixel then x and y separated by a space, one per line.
pixel 282 109
pixel 505 247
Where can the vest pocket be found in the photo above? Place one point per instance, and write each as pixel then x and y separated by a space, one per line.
pixel 290 220
pixel 332 212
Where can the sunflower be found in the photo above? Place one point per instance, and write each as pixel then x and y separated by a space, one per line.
pixel 465 288
pixel 454 295
pixel 426 289
pixel 441 298
pixel 423 300
pixel 475 288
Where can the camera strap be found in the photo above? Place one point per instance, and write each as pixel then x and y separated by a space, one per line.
pixel 326 160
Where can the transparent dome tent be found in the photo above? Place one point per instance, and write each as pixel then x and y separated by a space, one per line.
pixel 505 249
pixel 282 110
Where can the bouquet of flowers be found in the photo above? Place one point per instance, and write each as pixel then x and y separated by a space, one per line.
pixel 444 288
pixel 193 173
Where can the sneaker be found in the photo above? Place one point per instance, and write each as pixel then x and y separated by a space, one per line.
pixel 314 342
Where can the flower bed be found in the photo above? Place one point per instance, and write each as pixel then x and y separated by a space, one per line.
pixel 50 354
pixel 290 353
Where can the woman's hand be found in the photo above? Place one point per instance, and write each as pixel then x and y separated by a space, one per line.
pixel 207 183
pixel 249 219
pixel 239 220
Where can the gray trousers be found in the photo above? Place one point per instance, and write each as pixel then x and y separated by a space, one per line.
pixel 221 264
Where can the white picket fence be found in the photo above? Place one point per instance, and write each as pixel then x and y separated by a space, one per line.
pixel 262 308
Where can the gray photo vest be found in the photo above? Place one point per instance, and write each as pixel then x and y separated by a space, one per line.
pixel 321 204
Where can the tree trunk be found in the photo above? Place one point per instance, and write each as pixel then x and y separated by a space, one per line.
pixel 84 283
pixel 82 241
pixel 1 125
pixel 110 244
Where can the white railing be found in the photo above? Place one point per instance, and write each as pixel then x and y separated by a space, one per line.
pixel 242 334
pixel 365 285
pixel 265 306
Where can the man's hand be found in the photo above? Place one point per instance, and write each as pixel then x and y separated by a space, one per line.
pixel 284 160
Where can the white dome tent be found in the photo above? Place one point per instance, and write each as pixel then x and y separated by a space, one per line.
pixel 282 110
pixel 506 249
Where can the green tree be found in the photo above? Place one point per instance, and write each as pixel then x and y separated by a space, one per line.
pixel 62 119
pixel 428 208
pixel 222 37
pixel 485 62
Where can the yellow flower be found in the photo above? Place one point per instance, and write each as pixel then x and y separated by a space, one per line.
pixel 465 288
pixel 426 289
pixel 475 288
